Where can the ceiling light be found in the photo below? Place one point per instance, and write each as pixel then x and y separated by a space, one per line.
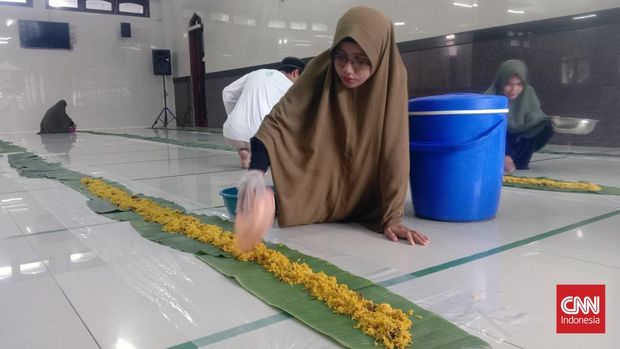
pixel 298 25
pixel 219 17
pixel 462 4
pixel 82 257
pixel 399 23
pixel 319 27
pixel 586 16
pixel 516 11
pixel 32 268
pixel 124 344
pixel 5 272
pixel 244 20
pixel 276 24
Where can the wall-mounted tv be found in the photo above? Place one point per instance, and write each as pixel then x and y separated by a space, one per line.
pixel 38 34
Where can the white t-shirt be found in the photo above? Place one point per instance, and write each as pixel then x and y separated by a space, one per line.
pixel 249 99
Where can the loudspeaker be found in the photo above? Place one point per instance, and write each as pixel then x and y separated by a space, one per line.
pixel 125 30
pixel 161 62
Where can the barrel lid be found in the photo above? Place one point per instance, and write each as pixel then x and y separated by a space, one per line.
pixel 457 102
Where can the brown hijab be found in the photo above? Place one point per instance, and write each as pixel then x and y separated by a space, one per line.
pixel 340 154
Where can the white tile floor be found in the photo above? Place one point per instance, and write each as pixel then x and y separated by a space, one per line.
pixel 72 279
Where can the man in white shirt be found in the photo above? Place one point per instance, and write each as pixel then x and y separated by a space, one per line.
pixel 250 98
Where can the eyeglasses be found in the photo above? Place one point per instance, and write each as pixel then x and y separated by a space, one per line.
pixel 358 63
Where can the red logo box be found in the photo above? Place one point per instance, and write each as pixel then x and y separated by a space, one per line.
pixel 580 308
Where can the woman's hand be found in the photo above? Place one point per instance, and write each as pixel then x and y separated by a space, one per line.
pixel 251 186
pixel 399 231
pixel 255 210
pixel 509 165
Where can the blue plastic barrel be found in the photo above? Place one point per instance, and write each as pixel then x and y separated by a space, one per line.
pixel 457 146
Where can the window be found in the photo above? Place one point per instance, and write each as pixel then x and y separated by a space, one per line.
pixel 25 3
pixel 69 4
pixel 118 7
pixel 132 7
pixel 99 5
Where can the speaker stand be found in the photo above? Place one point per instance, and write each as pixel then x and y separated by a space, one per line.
pixel 165 111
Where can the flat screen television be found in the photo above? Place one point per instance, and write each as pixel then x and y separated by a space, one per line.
pixel 39 34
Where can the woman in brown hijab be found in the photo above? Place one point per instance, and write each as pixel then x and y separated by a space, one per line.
pixel 337 142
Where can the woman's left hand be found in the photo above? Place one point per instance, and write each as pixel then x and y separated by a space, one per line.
pixel 399 231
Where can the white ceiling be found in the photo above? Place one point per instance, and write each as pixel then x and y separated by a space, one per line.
pixel 242 33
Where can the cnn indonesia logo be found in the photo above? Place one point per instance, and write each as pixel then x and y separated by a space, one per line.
pixel 580 308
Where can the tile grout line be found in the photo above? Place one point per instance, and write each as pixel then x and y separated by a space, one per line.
pixel 496 250
pixel 184 175
pixel 54 230
pixel 54 279
pixel 568 153
pixel 546 159
pixel 254 325
pixel 233 331
pixel 157 160
pixel 580 259
pixel 26 190
pixel 66 296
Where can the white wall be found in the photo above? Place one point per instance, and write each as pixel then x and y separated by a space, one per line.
pixel 237 32
pixel 107 80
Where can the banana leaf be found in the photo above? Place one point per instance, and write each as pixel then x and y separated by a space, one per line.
pixel 606 190
pixel 6 147
pixel 431 331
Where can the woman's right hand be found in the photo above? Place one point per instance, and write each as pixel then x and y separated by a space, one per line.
pixel 255 210
pixel 251 187
pixel 509 165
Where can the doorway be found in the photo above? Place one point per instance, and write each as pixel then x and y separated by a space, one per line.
pixel 197 70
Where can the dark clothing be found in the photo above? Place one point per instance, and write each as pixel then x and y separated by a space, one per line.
pixel 56 120
pixel 529 128
pixel 520 148
pixel 260 157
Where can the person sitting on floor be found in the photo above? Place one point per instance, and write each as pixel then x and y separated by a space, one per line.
pixel 56 120
pixel 529 128
pixel 337 143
